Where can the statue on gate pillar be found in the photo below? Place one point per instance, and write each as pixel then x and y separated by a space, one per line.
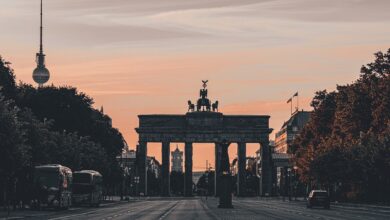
pixel 225 196
pixel 203 103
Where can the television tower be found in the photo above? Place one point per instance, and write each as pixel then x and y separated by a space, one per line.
pixel 41 74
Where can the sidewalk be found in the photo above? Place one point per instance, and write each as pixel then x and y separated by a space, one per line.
pixel 336 203
pixel 28 213
pixel 24 213
pixel 361 205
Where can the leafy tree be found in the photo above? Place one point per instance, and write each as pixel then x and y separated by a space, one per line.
pixel 7 79
pixel 72 111
pixel 346 140
pixel 206 183
pixel 13 149
pixel 51 125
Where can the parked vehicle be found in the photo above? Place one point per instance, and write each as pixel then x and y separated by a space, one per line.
pixel 318 198
pixel 87 187
pixel 52 186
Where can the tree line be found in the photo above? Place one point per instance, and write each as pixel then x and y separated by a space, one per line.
pixel 51 125
pixel 345 146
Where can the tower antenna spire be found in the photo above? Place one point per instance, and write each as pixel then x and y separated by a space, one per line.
pixel 41 31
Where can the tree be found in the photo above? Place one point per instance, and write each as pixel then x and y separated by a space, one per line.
pixel 7 79
pixel 52 125
pixel 71 111
pixel 13 149
pixel 346 140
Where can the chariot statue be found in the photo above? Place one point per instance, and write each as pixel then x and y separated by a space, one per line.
pixel 203 103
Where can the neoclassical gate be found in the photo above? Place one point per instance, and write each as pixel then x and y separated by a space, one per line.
pixel 202 125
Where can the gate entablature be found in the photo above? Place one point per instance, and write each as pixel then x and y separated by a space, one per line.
pixel 203 127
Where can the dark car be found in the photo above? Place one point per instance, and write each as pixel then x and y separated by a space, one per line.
pixel 318 198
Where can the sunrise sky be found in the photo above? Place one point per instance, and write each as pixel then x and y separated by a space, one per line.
pixel 141 57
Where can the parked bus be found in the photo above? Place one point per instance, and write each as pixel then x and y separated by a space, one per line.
pixel 52 186
pixel 87 187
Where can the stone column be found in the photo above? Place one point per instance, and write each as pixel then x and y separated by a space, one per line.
pixel 218 151
pixel 141 167
pixel 266 169
pixel 241 159
pixel 225 178
pixel 188 169
pixel 165 152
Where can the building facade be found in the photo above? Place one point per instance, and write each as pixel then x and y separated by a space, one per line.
pixel 127 161
pixel 285 172
pixel 177 160
pixel 154 167
pixel 289 130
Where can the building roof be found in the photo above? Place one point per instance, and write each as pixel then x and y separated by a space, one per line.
pixel 177 150
pixel 128 154
pixel 298 118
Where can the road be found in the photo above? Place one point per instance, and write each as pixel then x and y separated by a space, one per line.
pixel 276 209
pixel 199 208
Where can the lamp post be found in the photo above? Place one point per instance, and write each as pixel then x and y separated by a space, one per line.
pixel 289 183
pixel 295 168
pixel 259 173
pixel 136 181
pixel 125 181
pixel 207 184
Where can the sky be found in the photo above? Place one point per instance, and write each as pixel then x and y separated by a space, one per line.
pixel 149 57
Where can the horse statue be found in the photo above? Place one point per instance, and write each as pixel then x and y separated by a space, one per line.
pixel 191 106
pixel 208 106
pixel 215 106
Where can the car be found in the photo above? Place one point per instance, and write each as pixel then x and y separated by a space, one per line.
pixel 318 198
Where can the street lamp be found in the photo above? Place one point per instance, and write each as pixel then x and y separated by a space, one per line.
pixel 136 181
pixel 207 184
pixel 295 168
pixel 289 183
pixel 259 175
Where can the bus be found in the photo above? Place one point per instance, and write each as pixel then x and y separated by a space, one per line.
pixel 52 186
pixel 87 188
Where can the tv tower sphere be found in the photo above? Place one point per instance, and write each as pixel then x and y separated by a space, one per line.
pixel 41 74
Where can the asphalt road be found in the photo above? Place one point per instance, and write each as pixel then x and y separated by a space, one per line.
pixel 199 208
pixel 254 208
pixel 172 208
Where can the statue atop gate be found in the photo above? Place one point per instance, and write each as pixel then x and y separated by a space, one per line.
pixel 203 104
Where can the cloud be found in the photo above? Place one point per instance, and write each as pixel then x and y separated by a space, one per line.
pixel 115 92
pixel 149 56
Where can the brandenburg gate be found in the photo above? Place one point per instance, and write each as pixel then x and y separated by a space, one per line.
pixel 204 124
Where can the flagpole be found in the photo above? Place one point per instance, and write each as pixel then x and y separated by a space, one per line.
pixel 291 106
pixel 298 102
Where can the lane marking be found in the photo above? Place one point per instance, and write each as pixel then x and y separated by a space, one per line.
pixel 110 206
pixel 169 211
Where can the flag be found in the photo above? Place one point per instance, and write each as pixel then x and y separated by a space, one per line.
pixel 289 100
pixel 296 94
